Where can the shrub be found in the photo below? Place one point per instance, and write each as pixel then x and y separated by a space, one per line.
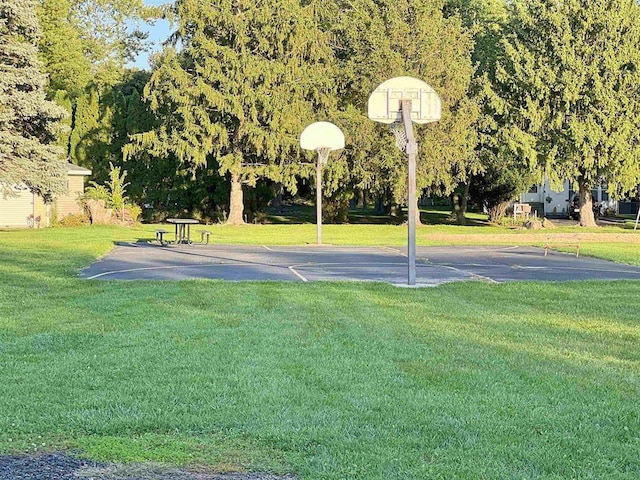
pixel 134 211
pixel 74 220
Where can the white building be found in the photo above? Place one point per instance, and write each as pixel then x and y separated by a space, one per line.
pixel 551 202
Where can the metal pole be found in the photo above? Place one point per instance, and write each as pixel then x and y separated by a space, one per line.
pixel 637 218
pixel 412 151
pixel 319 198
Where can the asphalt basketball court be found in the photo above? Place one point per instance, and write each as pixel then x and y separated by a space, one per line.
pixel 434 265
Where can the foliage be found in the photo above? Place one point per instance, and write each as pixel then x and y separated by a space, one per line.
pixel 246 79
pixel 89 41
pixel 335 209
pixel 98 192
pixel 62 49
pixel 73 220
pixel 377 40
pixel 117 186
pixel 28 122
pixel 135 211
pixel 113 192
pixel 568 85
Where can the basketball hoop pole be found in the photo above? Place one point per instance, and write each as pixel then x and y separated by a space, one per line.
pixel 319 197
pixel 412 150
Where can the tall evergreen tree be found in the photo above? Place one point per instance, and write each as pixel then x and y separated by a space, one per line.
pixel 501 176
pixel 569 89
pixel 28 122
pixel 62 49
pixel 247 80
pixel 379 39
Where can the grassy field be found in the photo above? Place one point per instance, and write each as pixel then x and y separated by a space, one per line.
pixel 329 381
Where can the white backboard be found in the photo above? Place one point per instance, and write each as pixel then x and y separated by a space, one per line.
pixel 385 102
pixel 321 135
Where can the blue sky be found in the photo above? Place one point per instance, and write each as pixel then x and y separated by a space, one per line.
pixel 157 34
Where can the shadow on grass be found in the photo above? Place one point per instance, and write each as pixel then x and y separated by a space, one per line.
pixel 298 214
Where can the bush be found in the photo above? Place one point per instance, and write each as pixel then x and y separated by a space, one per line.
pixel 336 209
pixel 98 192
pixel 74 220
pixel 134 211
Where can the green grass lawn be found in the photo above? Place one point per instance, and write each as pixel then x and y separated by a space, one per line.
pixel 326 380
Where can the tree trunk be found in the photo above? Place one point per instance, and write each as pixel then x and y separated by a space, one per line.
pixel 460 205
pixel 236 201
pixel 379 208
pixel 418 222
pixel 496 212
pixel 360 201
pixel 586 206
pixel 277 201
pixel 394 210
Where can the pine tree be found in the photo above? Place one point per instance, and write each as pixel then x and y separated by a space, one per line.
pixel 28 122
pixel 248 79
pixel 86 120
pixel 379 39
pixel 569 89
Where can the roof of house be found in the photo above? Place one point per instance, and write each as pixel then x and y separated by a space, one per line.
pixel 76 170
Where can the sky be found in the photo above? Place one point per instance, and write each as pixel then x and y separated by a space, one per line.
pixel 158 33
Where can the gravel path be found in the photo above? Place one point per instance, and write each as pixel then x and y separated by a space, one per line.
pixel 56 466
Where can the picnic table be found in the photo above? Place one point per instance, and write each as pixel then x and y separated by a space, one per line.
pixel 183 229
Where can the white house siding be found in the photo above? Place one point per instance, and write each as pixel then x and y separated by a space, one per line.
pixel 15 210
pixel 560 199
pixel 68 204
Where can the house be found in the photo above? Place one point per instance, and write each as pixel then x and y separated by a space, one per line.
pixel 25 207
pixel 549 202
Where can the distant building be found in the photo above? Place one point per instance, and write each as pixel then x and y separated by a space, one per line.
pixel 547 201
pixel 23 209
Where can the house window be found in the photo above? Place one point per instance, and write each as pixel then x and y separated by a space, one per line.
pixel 533 189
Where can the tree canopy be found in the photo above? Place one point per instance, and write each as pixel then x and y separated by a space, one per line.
pixel 247 77
pixel 29 123
pixel 568 91
pixel 380 39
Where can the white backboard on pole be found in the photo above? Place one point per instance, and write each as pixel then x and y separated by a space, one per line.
pixel 385 102
pixel 320 135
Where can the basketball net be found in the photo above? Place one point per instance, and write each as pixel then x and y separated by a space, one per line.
pixel 323 155
pixel 399 131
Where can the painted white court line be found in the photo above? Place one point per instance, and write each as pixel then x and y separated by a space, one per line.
pixel 169 267
pixel 471 274
pixel 293 270
pixel 395 251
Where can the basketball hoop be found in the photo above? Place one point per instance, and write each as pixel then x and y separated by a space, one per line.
pixel 323 137
pixel 399 131
pixel 323 154
pixel 400 102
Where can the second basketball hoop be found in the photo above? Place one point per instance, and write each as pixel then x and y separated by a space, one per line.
pixel 400 102
pixel 323 137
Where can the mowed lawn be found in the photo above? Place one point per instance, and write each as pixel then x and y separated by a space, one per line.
pixel 325 380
